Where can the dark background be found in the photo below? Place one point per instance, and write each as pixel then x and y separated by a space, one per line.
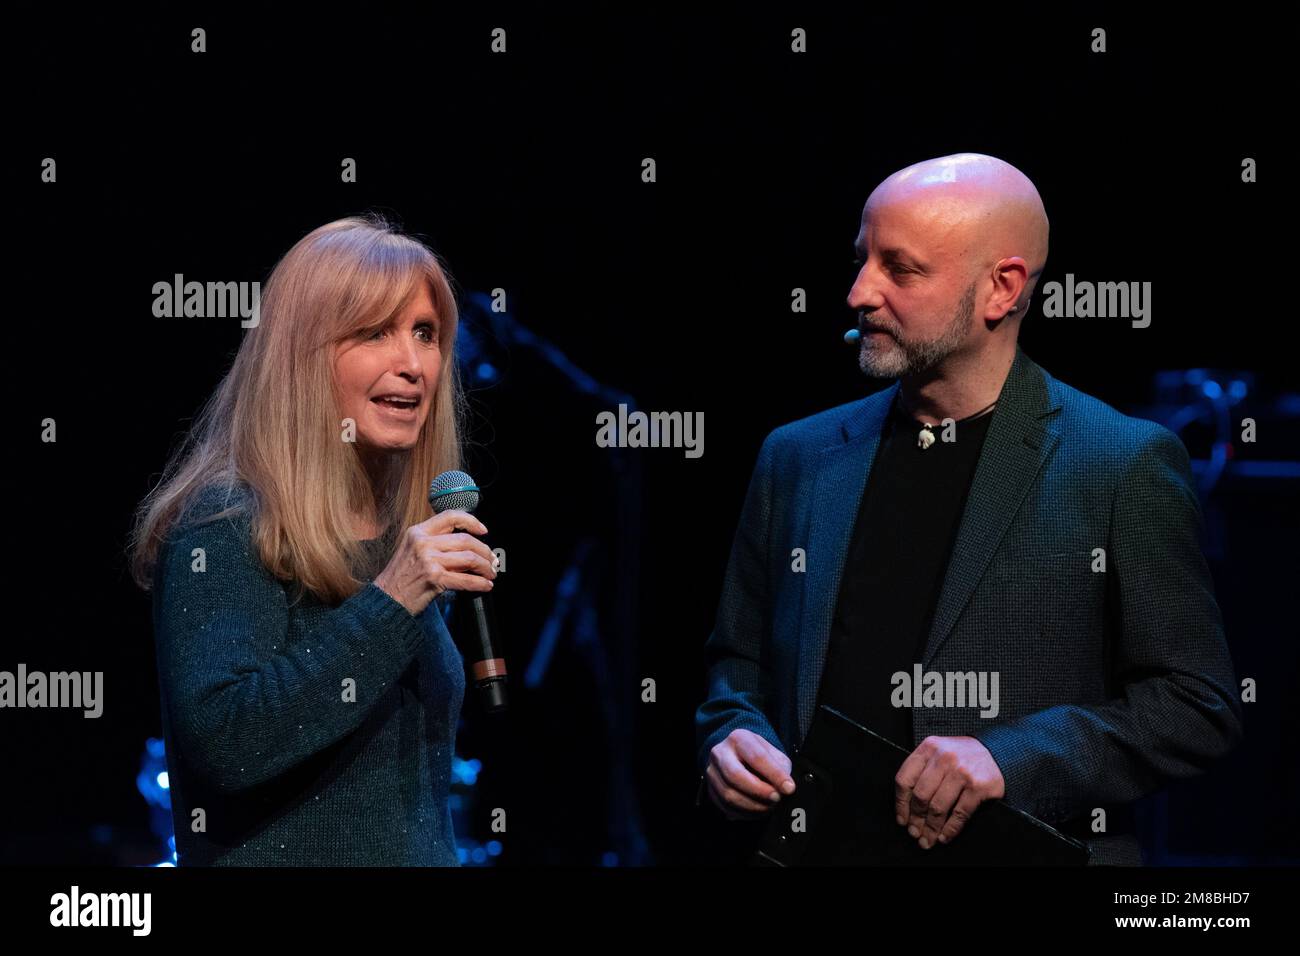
pixel 523 171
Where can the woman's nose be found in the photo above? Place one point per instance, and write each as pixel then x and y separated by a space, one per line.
pixel 407 358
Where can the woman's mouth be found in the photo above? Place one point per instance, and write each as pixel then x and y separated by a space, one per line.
pixel 399 408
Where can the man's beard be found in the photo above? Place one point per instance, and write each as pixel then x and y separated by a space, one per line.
pixel 893 357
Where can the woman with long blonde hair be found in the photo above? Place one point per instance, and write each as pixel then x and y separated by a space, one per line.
pixel 310 704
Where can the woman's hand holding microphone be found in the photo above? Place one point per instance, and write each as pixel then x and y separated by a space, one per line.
pixel 435 556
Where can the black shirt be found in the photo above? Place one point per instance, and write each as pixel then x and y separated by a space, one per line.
pixel 906 526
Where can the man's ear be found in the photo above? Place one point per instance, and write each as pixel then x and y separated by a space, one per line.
pixel 1019 266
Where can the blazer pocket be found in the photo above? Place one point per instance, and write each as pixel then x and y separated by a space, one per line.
pixel 1033 564
pixel 1059 587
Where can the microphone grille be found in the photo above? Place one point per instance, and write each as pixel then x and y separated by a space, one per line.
pixel 453 491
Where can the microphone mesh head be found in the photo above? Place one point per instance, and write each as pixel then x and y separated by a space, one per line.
pixel 453 491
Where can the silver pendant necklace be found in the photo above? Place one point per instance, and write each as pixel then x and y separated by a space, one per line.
pixel 925 437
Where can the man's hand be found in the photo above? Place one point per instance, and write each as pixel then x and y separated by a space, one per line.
pixel 744 774
pixel 941 783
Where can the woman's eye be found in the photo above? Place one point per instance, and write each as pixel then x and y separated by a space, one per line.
pixel 374 335
pixel 431 334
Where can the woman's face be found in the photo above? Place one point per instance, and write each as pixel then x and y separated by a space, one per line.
pixel 386 380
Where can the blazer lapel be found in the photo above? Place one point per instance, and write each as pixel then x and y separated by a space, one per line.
pixel 840 477
pixel 1016 447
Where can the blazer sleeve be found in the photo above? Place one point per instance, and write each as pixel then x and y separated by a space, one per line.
pixel 737 652
pixel 1176 709
pixel 246 704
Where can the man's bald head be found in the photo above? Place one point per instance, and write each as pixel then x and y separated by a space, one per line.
pixel 973 207
pixel 949 253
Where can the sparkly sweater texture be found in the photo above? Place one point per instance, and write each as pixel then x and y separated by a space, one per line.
pixel 299 734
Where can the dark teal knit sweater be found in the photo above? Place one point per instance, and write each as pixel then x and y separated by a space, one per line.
pixel 260 733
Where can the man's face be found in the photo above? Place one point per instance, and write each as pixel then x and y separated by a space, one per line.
pixel 913 293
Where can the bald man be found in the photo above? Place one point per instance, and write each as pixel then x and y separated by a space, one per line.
pixel 980 518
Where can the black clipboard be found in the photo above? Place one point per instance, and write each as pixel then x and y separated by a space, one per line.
pixel 844 777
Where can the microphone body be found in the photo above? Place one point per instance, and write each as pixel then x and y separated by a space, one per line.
pixel 456 491
pixel 487 668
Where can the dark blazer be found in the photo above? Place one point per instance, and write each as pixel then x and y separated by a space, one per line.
pixel 1111 683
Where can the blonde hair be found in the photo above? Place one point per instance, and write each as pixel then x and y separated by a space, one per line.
pixel 274 422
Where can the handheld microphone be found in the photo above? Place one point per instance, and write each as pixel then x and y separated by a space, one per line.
pixel 456 491
pixel 852 337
